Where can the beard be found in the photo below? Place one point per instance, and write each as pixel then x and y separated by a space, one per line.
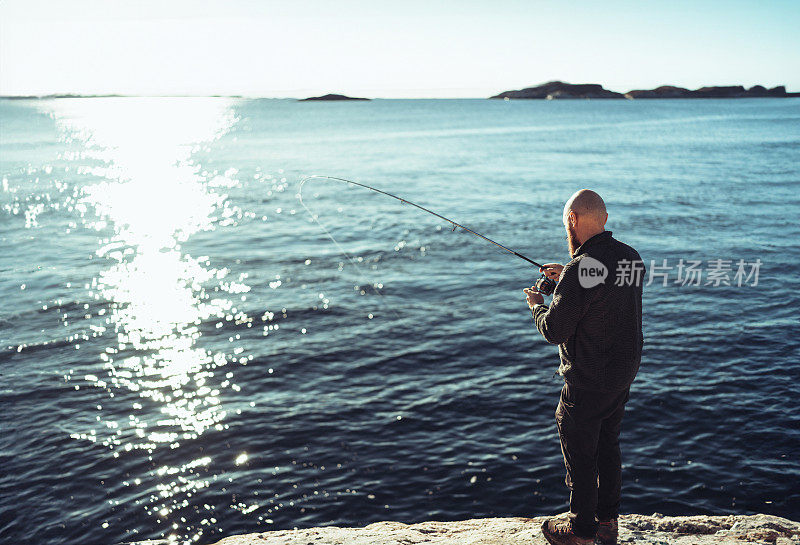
pixel 572 240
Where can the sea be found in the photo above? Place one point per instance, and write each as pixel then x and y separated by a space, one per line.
pixel 197 341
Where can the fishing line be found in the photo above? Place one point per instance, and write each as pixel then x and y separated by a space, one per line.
pixel 314 217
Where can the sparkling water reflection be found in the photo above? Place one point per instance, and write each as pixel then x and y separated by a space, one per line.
pixel 152 197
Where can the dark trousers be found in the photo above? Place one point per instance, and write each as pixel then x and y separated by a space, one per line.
pixel 589 423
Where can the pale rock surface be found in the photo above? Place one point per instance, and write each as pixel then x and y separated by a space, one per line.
pixel 634 529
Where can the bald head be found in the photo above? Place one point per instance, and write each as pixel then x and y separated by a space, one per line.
pixel 588 206
pixel 584 216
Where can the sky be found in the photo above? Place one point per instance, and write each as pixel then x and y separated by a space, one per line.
pixel 392 49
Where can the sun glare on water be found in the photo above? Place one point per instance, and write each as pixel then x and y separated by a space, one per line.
pixel 152 197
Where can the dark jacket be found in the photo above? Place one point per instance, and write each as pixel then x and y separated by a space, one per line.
pixel 598 329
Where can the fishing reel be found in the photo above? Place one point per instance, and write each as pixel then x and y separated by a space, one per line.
pixel 545 285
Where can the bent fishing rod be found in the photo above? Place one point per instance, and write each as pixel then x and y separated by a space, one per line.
pixel 544 284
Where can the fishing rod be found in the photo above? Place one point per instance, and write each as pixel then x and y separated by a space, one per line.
pixel 544 284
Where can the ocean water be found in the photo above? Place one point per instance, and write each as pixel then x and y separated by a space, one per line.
pixel 185 353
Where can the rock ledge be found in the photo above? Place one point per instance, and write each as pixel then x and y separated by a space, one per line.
pixel 653 529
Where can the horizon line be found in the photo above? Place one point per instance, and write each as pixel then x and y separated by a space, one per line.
pixel 53 95
pixel 350 99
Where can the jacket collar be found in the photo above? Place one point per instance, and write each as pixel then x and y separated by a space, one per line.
pixel 599 238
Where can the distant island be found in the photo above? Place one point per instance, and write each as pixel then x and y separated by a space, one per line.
pixel 559 90
pixel 733 91
pixel 331 96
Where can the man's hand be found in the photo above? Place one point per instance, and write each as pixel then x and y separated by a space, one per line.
pixel 534 297
pixel 552 270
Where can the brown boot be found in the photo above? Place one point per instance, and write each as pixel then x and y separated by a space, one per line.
pixel 559 532
pixel 608 532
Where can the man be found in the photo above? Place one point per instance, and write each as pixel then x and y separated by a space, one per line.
pixel 595 318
